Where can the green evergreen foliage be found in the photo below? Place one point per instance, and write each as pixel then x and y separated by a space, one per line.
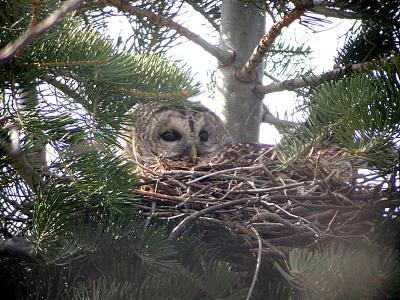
pixel 120 259
pixel 67 93
pixel 360 113
pixel 77 216
pixel 293 53
pixel 341 272
pixel 377 35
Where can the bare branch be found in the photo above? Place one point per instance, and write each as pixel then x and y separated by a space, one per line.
pixel 245 74
pixel 270 119
pixel 303 81
pixel 20 162
pixel 222 55
pixel 33 32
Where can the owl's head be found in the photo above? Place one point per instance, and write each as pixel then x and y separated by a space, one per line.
pixel 175 132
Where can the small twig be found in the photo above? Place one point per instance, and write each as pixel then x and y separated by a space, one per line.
pixel 288 213
pixel 272 189
pixel 136 163
pixel 255 276
pixel 152 213
pixel 345 199
pixel 163 197
pixel 270 215
pixel 331 221
pixel 194 194
pixel 263 46
pixel 221 172
pixel 268 172
pixel 222 55
pixel 271 248
pixel 230 190
pixel 33 32
pixel 175 217
pixel 181 227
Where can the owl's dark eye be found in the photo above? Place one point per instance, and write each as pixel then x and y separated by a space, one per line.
pixel 170 136
pixel 203 135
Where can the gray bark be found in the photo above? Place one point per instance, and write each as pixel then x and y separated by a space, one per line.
pixel 242 27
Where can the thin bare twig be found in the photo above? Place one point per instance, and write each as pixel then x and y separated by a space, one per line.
pixel 180 228
pixel 246 73
pixel 222 55
pixel 256 271
pixel 271 189
pixel 33 32
pixel 223 171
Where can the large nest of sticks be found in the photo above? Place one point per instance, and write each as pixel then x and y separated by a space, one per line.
pixel 247 199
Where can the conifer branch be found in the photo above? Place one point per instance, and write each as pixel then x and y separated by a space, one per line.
pixel 64 89
pixel 222 55
pixel 34 31
pixel 246 72
pixel 303 81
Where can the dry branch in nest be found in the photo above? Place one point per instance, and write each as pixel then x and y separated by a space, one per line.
pixel 246 191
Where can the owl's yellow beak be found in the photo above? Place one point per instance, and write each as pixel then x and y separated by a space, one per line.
pixel 193 152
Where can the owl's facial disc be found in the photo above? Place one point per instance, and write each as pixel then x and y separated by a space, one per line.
pixel 183 133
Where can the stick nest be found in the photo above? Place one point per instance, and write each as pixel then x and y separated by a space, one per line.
pixel 245 198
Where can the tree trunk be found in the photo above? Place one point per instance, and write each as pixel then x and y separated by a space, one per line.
pixel 242 27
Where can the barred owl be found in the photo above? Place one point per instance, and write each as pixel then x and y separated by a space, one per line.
pixel 172 131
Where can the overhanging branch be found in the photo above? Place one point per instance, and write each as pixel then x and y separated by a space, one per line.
pixel 303 81
pixel 124 6
pixel 33 32
pixel 270 119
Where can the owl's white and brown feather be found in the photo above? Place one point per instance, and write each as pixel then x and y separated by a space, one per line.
pixel 169 131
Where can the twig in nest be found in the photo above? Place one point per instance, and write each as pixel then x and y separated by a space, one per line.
pixel 223 171
pixel 253 283
pixel 272 189
pixel 193 195
pixel 181 227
